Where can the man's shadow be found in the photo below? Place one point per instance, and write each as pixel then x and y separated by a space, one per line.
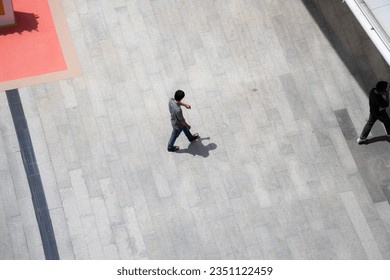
pixel 375 139
pixel 197 148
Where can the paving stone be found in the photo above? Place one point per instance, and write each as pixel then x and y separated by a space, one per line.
pixel 343 151
pixel 18 238
pixel 74 223
pixel 93 242
pixel 207 241
pixel 80 192
pixel 30 225
pixel 111 201
pixel 111 252
pixel 135 235
pixel 80 247
pixel 61 231
pixel 6 252
pixel 8 192
pixel 120 184
pixel 361 226
pixel 270 239
pixel 384 208
pixel 244 223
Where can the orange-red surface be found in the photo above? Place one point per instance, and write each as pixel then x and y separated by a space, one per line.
pixel 31 47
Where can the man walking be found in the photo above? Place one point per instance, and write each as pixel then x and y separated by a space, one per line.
pixel 379 101
pixel 178 122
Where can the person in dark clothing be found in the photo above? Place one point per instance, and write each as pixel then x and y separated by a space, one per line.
pixel 178 122
pixel 379 101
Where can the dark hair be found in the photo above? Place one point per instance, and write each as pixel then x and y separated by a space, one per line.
pixel 381 86
pixel 179 95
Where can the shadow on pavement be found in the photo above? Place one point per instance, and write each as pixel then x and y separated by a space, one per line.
pixel 197 148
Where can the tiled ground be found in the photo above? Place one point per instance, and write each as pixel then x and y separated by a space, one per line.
pixel 278 90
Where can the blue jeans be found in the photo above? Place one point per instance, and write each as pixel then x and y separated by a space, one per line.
pixel 176 133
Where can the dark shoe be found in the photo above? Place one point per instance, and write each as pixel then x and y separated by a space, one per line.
pixel 174 149
pixel 195 136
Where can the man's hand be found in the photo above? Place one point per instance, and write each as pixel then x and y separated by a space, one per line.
pixel 381 109
pixel 183 122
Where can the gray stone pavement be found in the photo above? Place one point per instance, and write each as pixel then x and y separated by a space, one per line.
pixel 279 94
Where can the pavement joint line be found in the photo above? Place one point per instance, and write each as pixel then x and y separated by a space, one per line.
pixel 33 176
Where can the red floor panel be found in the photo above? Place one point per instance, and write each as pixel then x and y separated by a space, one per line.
pixel 31 47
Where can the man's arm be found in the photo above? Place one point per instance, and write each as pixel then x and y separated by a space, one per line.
pixel 183 122
pixel 383 101
pixel 385 96
pixel 181 103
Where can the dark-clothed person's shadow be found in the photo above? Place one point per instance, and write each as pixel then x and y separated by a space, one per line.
pixel 24 22
pixel 197 148
pixel 383 138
